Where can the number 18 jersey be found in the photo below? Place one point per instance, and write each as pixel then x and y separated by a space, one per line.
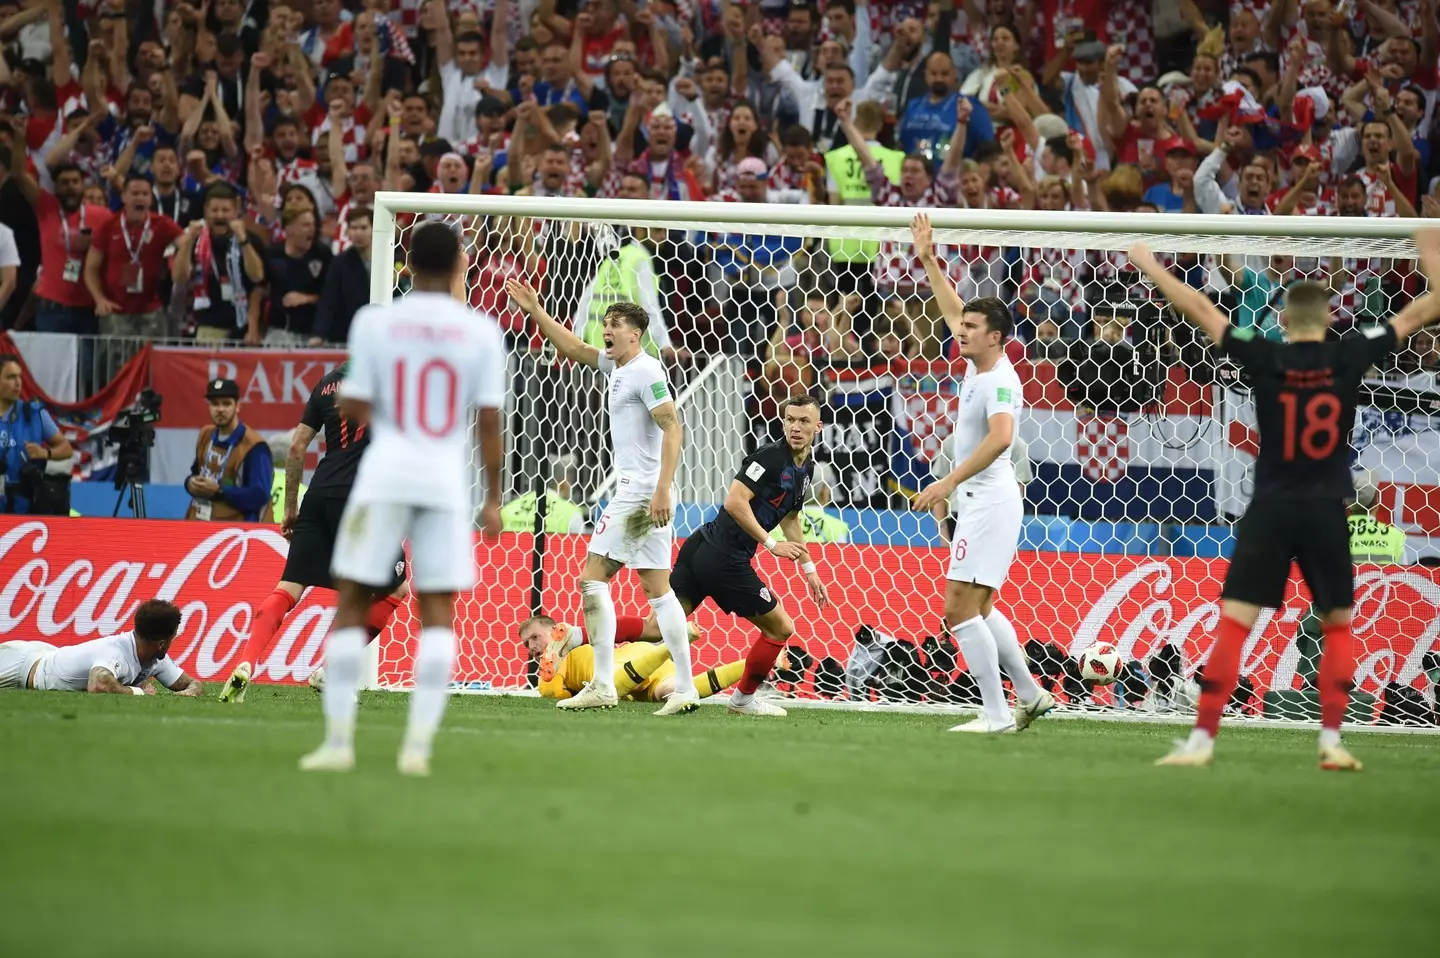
pixel 422 363
pixel 1305 398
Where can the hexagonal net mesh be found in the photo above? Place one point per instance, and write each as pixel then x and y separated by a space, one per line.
pixel 1135 450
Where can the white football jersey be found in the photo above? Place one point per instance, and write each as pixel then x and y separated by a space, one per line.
pixel 983 395
pixel 422 363
pixel 635 389
pixel 68 669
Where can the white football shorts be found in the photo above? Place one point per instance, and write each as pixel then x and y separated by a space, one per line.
pixel 624 532
pixel 442 546
pixel 987 533
pixel 17 657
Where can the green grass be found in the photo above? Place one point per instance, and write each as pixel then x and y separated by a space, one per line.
pixel 166 826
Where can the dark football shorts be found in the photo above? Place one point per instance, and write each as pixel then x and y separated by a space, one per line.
pixel 1273 533
pixel 313 543
pixel 703 571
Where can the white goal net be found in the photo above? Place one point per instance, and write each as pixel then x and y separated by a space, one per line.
pixel 1138 438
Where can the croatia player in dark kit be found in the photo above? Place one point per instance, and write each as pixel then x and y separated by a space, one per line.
pixel 312 528
pixel 1305 392
pixel 717 561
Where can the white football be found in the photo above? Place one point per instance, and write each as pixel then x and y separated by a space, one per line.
pixel 1100 664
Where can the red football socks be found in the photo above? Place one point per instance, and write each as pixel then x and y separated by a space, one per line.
pixel 268 617
pixel 379 613
pixel 1222 671
pixel 627 629
pixel 1337 675
pixel 758 663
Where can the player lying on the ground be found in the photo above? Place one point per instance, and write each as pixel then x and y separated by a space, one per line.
pixel 541 632
pixel 645 439
pixel 116 664
pixel 644 671
pixel 1305 391
pixel 987 527
pixel 312 527
pixel 419 366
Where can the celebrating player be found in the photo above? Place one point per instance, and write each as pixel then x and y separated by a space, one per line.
pixel 987 527
pixel 116 664
pixel 1305 396
pixel 645 437
pixel 416 368
pixel 717 561
pixel 312 529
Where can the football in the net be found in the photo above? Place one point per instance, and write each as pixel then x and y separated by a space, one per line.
pixel 1100 664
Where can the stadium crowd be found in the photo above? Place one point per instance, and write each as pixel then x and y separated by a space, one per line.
pixel 207 171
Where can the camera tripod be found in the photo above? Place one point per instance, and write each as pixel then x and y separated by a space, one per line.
pixel 137 499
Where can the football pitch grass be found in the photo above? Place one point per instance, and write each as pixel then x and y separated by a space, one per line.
pixel 167 825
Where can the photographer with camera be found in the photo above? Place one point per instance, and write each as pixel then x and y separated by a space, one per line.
pixel 29 439
pixel 231 477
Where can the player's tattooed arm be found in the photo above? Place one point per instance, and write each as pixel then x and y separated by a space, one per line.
pixel 103 682
pixel 1188 301
pixel 295 467
pixel 667 417
pixel 189 686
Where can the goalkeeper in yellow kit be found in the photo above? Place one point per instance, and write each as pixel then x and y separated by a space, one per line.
pixel 643 670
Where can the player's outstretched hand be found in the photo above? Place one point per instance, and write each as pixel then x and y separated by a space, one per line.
pixel 1141 257
pixel 817 590
pixel 793 551
pixel 935 494
pixel 523 294
pixel 923 236
pixel 662 510
pixel 490 520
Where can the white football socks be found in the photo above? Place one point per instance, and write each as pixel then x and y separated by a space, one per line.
pixel 433 662
pixel 670 616
pixel 344 658
pixel 1012 657
pixel 978 646
pixel 1329 737
pixel 600 624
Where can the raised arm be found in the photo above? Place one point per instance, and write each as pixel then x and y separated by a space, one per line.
pixel 847 126
pixel 443 38
pixel 254 121
pixel 29 187
pixel 183 263
pixel 62 67
pixel 1188 301
pixel 951 306
pixel 66 144
pixel 569 345
pixel 1111 112
pixel 1423 310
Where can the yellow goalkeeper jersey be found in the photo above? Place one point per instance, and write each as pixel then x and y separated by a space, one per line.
pixel 578 667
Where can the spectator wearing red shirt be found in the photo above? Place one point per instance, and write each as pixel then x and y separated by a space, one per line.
pixel 66 227
pixel 125 269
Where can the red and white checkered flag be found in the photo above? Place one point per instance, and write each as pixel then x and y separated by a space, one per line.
pixel 1102 445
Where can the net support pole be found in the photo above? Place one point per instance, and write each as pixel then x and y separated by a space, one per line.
pixel 537 571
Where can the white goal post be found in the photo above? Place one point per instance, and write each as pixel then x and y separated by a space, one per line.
pixel 1138 439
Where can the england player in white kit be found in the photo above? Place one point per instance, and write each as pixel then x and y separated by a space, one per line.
pixel 115 664
pixel 417 367
pixel 987 525
pixel 646 437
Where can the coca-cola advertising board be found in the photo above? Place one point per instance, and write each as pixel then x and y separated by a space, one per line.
pixel 69 580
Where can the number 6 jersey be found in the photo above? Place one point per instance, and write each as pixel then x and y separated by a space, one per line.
pixel 422 363
pixel 1305 397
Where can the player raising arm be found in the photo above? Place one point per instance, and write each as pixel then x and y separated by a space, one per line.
pixel 646 438
pixel 417 367
pixel 114 665
pixel 987 526
pixel 1305 391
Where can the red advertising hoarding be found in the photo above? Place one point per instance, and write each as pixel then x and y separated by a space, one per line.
pixel 69 580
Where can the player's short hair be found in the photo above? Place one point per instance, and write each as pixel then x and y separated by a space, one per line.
pixel 998 318
pixel 631 313
pixel 434 250
pixel 157 621
pixel 220 190
pixel 544 620
pixel 360 213
pixel 1307 305
pixel 471 37
pixel 60 169
pixel 8 358
pixel 796 135
pixel 803 399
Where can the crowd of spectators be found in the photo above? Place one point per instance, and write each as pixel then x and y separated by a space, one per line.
pixel 207 171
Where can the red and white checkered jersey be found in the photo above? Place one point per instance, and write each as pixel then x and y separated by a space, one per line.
pixel 1059 269
pixel 895 264
pixel 352 129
